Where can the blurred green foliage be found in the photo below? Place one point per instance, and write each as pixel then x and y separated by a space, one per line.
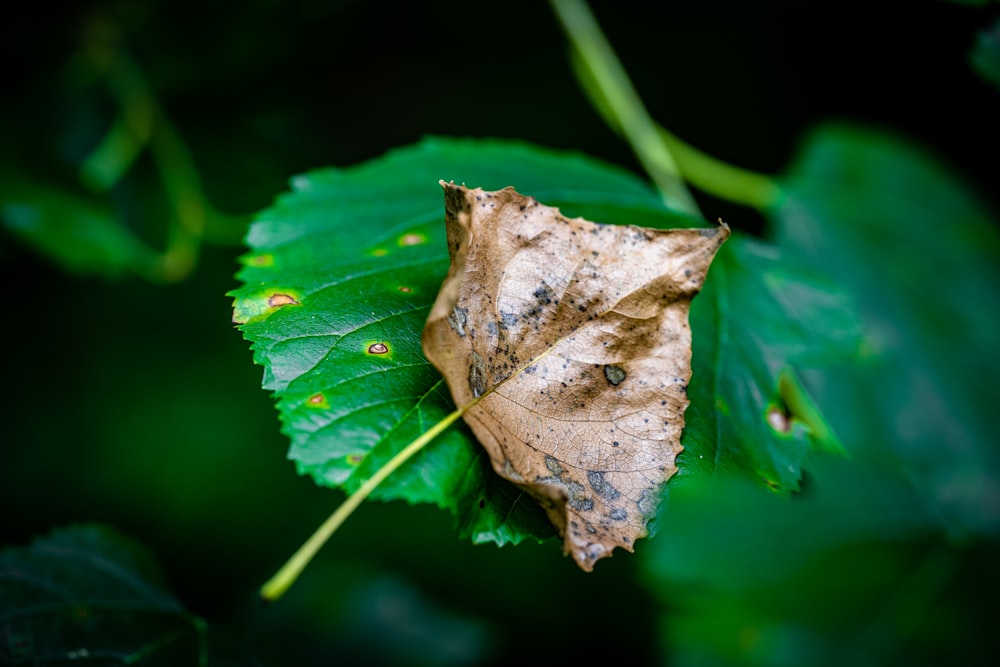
pixel 873 562
pixel 134 403
pixel 985 54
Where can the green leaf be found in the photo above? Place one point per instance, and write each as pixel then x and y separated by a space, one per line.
pixel 343 270
pixel 79 235
pixel 985 55
pixel 357 257
pixel 757 316
pixel 87 593
pixel 881 558
pixel 848 572
pixel 920 255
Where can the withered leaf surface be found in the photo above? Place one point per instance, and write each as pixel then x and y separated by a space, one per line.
pixel 571 341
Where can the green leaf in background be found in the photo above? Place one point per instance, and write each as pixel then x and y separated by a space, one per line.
pixel 343 271
pixel 920 254
pixel 74 232
pixel 850 573
pixel 985 55
pixel 882 558
pixel 758 316
pixel 86 593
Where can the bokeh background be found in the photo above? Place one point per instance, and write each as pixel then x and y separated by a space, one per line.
pixel 134 401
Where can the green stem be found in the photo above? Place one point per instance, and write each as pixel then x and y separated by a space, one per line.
pixel 623 101
pixel 715 177
pixel 178 172
pixel 703 171
pixel 117 150
pixel 143 124
pixel 290 571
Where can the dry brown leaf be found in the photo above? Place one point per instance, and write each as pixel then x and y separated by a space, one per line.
pixel 570 340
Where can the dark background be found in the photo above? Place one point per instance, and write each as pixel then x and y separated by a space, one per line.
pixel 137 404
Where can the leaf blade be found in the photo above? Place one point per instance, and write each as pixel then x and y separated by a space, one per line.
pixel 337 296
pixel 331 256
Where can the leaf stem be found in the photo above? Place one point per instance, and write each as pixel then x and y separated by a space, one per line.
pixel 276 586
pixel 144 125
pixel 623 101
pixel 715 177
pixel 290 571
pixel 703 171
pixel 119 148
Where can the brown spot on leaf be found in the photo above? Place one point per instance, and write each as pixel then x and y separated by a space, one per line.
pixel 378 348
pixel 477 376
pixel 276 300
pixel 317 399
pixel 405 289
pixel 260 261
pixel 412 239
pixel 565 297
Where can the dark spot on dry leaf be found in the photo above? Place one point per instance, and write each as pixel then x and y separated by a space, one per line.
pixel 553 465
pixel 477 376
pixel 508 320
pixel 648 502
pixel 601 487
pixel 614 374
pixel 458 319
